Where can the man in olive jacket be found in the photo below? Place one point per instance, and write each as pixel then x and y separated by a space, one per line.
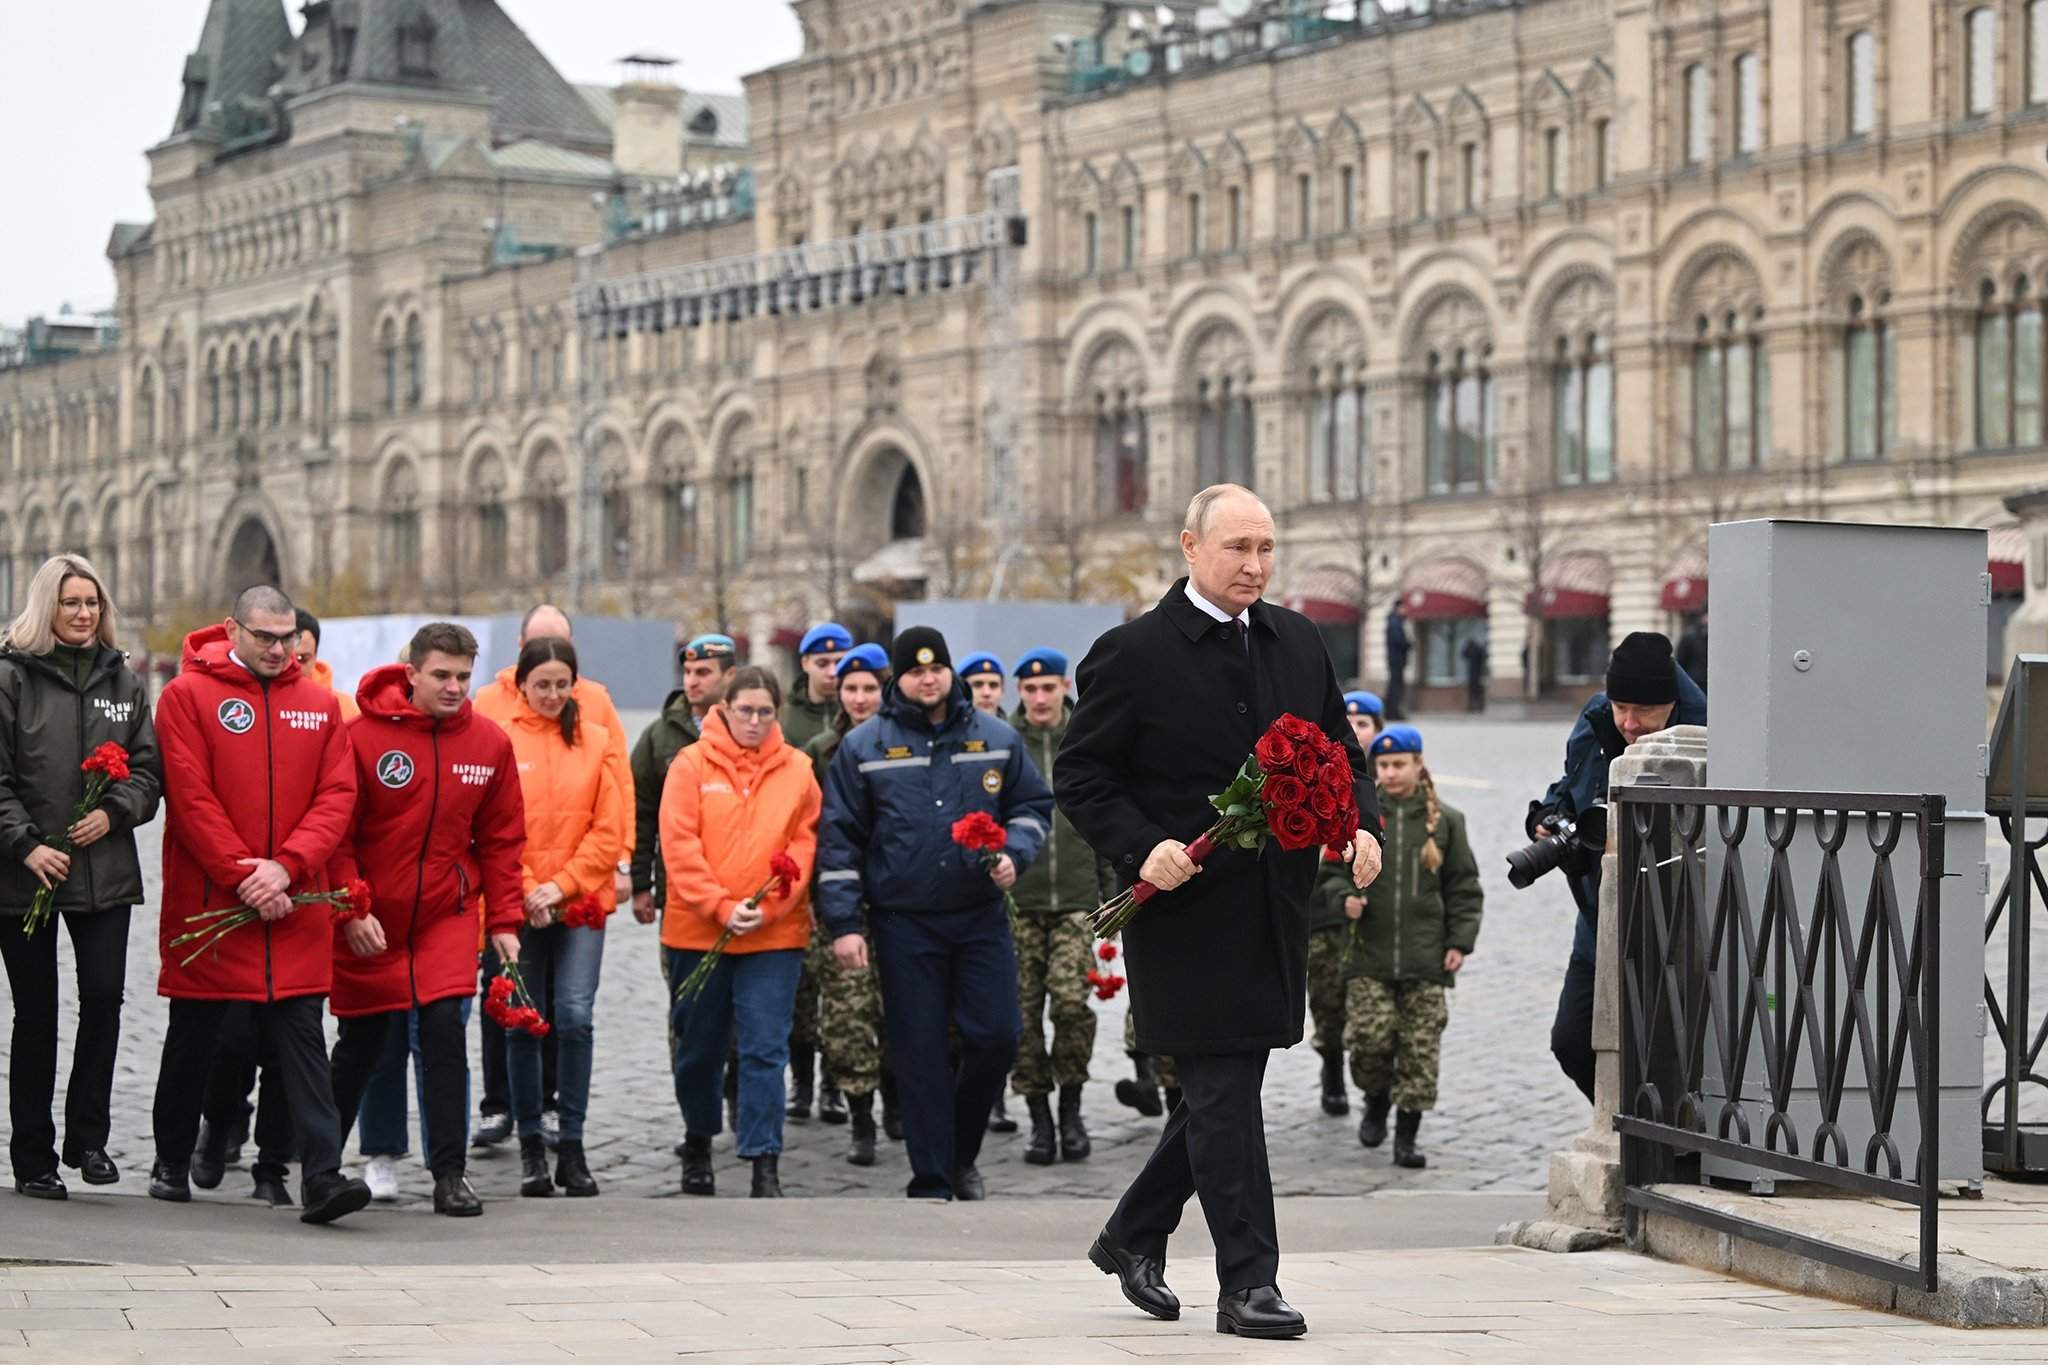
pixel 1218 970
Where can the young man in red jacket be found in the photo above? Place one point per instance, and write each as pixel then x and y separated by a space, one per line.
pixel 259 789
pixel 439 817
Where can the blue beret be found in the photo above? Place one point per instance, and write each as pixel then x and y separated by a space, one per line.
pixel 1397 739
pixel 1364 704
pixel 981 662
pixel 863 659
pixel 826 635
pixel 710 647
pixel 1042 663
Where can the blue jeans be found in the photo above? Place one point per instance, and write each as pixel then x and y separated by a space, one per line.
pixel 754 993
pixel 380 1119
pixel 566 963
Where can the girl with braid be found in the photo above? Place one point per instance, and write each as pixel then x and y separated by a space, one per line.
pixel 1409 936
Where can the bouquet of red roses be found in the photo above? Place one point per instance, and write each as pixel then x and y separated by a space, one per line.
pixel 980 834
pixel 1103 981
pixel 783 873
pixel 103 767
pixel 347 902
pixel 1295 789
pixel 582 914
pixel 509 1005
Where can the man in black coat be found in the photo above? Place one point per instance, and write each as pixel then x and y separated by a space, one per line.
pixel 1219 969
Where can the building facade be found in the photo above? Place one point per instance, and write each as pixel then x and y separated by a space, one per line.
pixel 1497 304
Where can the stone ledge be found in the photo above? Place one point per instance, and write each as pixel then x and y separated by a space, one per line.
pixel 1971 1292
pixel 1541 1234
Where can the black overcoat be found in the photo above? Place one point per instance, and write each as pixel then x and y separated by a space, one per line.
pixel 1170 705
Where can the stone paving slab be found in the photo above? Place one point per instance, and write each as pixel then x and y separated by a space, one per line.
pixel 1486 1304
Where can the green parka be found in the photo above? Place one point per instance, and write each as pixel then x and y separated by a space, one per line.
pixel 803 720
pixel 671 732
pixel 1067 877
pixel 1412 915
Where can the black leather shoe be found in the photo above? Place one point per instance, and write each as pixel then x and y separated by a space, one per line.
pixel 698 1177
pixel 455 1198
pixel 170 1184
pixel 48 1185
pixel 967 1184
pixel 490 1130
pixel 1259 1312
pixel 273 1191
pixel 96 1167
pixel 209 1157
pixel 333 1196
pixel 1142 1278
pixel 1141 1092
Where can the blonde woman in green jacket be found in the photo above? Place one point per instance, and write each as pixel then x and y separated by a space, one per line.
pixel 1409 937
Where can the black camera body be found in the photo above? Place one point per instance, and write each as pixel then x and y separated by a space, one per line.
pixel 1575 845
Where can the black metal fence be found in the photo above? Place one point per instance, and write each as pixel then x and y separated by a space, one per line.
pixel 1711 978
pixel 2011 1146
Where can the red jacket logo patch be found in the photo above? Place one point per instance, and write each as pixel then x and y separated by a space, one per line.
pixel 237 717
pixel 395 769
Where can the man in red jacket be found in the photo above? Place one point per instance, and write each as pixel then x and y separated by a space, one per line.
pixel 259 790
pixel 440 817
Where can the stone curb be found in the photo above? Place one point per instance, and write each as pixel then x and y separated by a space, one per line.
pixel 1542 1234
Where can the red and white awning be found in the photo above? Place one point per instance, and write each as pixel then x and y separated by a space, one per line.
pixel 1685 583
pixel 1444 590
pixel 2008 561
pixel 1329 597
pixel 1576 586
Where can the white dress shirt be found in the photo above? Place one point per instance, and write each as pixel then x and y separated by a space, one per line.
pixel 1214 612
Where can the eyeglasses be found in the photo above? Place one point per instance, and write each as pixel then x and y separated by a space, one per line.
pixel 264 638
pixel 79 603
pixel 754 715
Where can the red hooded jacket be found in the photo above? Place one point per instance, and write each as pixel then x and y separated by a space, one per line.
pixel 438 819
pixel 251 770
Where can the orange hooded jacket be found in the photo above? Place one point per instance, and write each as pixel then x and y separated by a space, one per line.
pixel 576 816
pixel 725 811
pixel 322 672
pixel 500 700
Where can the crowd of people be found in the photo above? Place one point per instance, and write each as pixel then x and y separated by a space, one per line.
pixel 439 850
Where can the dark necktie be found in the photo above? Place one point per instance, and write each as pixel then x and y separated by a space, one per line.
pixel 1244 635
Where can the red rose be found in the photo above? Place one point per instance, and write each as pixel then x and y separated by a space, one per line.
pixel 1325 804
pixel 1293 828
pixel 1336 774
pixel 1274 751
pixel 1306 764
pixel 1295 728
pixel 1284 792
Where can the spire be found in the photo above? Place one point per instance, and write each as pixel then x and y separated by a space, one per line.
pixel 236 57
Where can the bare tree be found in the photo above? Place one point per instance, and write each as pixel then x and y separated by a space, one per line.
pixel 1529 538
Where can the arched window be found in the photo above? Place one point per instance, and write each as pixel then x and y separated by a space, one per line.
pixel 491 532
pixel 618 532
pixel 1556 167
pixel 402 527
pixel 1980 60
pixel 1862 83
pixel 1582 409
pixel 109 551
pixel 2009 365
pixel 1603 153
pixel 1331 360
pixel 1869 381
pixel 2037 51
pixel 145 558
pixel 1217 394
pixel 1425 184
pixel 145 410
pixel 552 525
pixel 1459 423
pixel 1119 438
pixel 736 522
pixel 1749 104
pixel 1731 403
pixel 387 349
pixel 415 362
pixel 1699 115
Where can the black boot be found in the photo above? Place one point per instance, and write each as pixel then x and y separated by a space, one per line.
pixel 209 1157
pixel 1142 1092
pixel 454 1198
pixel 892 1122
pixel 1042 1149
pixel 999 1120
pixel 331 1196
pixel 1074 1142
pixel 767 1180
pixel 1372 1128
pixel 831 1105
pixel 269 1187
pixel 572 1170
pixel 534 1180
pixel 732 1093
pixel 1335 1102
pixel 860 1149
pixel 1406 1125
pixel 170 1183
pixel 697 1176
pixel 802 1077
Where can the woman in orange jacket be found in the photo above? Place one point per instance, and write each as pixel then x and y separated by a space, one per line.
pixel 732 801
pixel 576 822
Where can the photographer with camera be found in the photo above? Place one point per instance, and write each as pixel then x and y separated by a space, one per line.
pixel 1646 692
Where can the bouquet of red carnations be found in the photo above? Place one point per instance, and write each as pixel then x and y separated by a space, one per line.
pixel 347 902
pixel 783 873
pixel 980 834
pixel 510 1006
pixel 582 914
pixel 1102 980
pixel 1295 789
pixel 103 767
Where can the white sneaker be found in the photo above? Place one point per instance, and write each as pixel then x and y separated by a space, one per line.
pixel 380 1173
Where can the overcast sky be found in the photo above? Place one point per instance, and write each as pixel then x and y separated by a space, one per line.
pixel 87 85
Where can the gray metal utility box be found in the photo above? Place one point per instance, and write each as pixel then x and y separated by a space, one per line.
pixel 1850 658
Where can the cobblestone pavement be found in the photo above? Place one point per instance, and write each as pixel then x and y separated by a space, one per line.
pixel 1479 1304
pixel 1504 1105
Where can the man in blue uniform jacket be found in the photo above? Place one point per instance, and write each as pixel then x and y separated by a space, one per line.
pixel 941 933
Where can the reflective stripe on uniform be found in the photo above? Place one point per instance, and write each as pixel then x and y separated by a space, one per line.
pixel 1029 822
pixel 875 765
pixel 987 756
pixel 846 875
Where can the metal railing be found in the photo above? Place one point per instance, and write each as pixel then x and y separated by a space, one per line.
pixel 1711 979
pixel 2013 1146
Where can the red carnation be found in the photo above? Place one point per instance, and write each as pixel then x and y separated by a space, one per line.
pixel 783 868
pixel 1293 827
pixel 1106 951
pixel 1285 792
pixel 1274 751
pixel 979 833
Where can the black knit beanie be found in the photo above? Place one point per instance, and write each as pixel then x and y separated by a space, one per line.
pixel 1642 671
pixel 922 645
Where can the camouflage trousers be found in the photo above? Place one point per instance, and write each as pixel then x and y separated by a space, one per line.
pixel 1395 1032
pixel 803 1020
pixel 849 1027
pixel 1326 987
pixel 1054 956
pixel 1163 1068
